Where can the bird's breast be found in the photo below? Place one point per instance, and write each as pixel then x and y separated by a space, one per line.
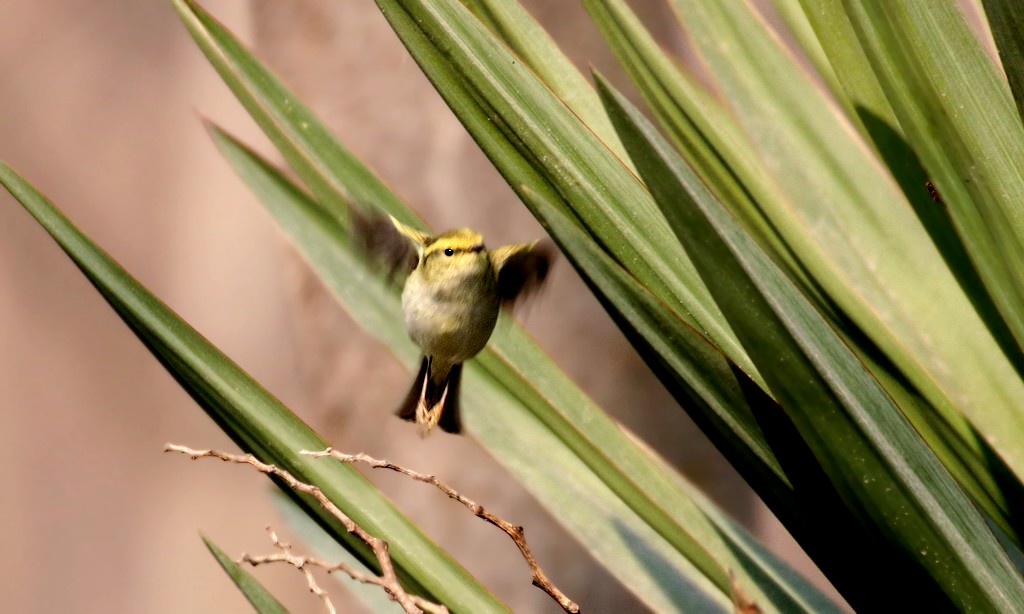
pixel 452 318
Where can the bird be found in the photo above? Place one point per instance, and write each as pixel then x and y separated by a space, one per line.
pixel 453 290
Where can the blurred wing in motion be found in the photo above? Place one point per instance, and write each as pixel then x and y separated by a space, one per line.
pixel 521 268
pixel 388 242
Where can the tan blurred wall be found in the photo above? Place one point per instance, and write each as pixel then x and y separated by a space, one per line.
pixel 97 108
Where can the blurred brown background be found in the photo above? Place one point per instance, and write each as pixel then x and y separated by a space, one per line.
pixel 98 108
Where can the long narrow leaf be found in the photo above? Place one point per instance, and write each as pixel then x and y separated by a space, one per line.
pixel 917 520
pixel 316 157
pixel 534 140
pixel 1007 23
pixel 259 597
pixel 515 439
pixel 699 125
pixel 959 116
pixel 254 418
pixel 851 226
pixel 492 410
pixel 530 41
pixel 967 456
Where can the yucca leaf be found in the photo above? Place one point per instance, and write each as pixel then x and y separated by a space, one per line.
pixel 879 124
pixel 967 456
pixel 495 407
pixel 257 421
pixel 797 25
pixel 1007 23
pixel 859 86
pixel 528 39
pixel 851 226
pixel 959 117
pixel 678 103
pixel 491 411
pixel 698 124
pixel 534 140
pixel 316 157
pixel 925 538
pixel 599 444
pixel 259 597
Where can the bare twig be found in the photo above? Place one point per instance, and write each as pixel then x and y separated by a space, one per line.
pixel 388 580
pixel 303 564
pixel 298 562
pixel 540 579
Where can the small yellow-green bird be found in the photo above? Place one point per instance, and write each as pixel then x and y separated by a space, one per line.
pixel 451 298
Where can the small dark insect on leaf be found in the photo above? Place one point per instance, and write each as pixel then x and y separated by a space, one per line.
pixel 382 243
pixel 933 192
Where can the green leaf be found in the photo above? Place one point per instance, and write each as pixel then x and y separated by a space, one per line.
pixel 535 141
pixel 309 149
pixel 742 182
pixel 595 480
pixel 925 538
pixel 800 28
pixel 851 226
pixel 859 87
pixel 530 41
pixel 958 115
pixel 699 125
pixel 260 598
pixel 1007 23
pixel 966 455
pixel 257 421
pixel 601 436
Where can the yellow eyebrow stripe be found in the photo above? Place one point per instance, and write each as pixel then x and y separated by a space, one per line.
pixel 458 244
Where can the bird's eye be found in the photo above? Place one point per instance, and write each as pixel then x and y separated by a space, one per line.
pixel 449 251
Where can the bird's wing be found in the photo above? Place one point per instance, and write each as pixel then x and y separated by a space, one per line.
pixel 521 268
pixel 388 242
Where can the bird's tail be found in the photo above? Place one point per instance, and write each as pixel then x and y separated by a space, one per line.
pixel 433 401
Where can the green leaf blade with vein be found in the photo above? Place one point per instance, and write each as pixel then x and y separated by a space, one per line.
pixel 259 597
pixel 907 505
pixel 234 57
pixel 309 148
pixel 698 124
pixel 517 439
pixel 538 368
pixel 534 140
pixel 747 189
pixel 1007 23
pixel 852 227
pixel 490 411
pixel 257 421
pixel 529 40
pixel 958 114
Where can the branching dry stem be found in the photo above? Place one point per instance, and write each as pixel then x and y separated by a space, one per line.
pixel 540 579
pixel 388 580
pixel 301 563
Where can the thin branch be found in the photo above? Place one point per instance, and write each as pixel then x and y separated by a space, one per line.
pixel 540 579
pixel 388 580
pixel 298 562
pixel 303 563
